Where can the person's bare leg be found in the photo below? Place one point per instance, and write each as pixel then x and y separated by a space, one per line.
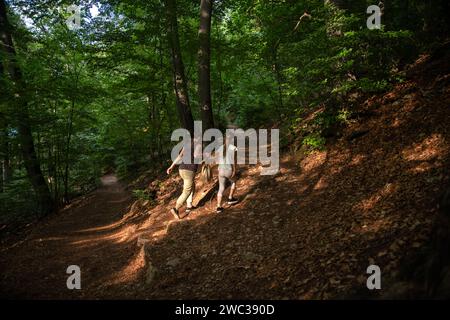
pixel 219 200
pixel 222 182
pixel 232 190
pixel 231 199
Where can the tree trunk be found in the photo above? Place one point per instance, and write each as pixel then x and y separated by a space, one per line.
pixel 179 78
pixel 30 159
pixel 278 78
pixel 204 62
pixel 67 156
pixel 5 162
pixel 219 70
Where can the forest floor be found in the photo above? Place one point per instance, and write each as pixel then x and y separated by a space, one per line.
pixel 308 232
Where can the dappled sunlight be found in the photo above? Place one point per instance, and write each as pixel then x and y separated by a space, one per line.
pixel 428 149
pixel 341 156
pixel 321 184
pixel 108 227
pixel 314 160
pixel 49 239
pixel 357 160
pixel 340 160
pixel 372 226
pixel 397 122
pixel 368 204
pixel 426 154
pixel 114 238
pixel 422 167
pixel 130 273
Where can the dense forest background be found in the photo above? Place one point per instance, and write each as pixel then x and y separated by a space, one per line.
pixel 75 104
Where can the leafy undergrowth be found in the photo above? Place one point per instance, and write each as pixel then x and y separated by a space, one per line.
pixel 312 230
pixel 309 232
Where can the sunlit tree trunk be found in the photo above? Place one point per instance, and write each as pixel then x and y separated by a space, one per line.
pixel 204 64
pixel 30 159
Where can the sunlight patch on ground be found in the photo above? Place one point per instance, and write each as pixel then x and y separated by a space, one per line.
pixel 321 184
pixel 314 160
pixel 357 160
pixel 107 227
pixel 426 150
pixel 49 239
pixel 109 179
pixel 129 273
pixel 370 203
pixel 425 153
pixel 117 238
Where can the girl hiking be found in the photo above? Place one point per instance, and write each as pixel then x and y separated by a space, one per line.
pixel 226 158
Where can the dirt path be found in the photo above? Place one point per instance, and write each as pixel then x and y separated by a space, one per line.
pixel 90 234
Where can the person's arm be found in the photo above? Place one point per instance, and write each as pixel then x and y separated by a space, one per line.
pixel 176 161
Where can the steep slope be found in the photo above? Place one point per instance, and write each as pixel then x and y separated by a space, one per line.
pixel 311 231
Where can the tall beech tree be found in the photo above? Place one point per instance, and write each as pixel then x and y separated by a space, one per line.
pixel 179 77
pixel 204 64
pixel 30 159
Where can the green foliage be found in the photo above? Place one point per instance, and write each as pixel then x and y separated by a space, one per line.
pixel 314 141
pixel 144 195
pixel 343 115
pixel 101 98
pixel 17 204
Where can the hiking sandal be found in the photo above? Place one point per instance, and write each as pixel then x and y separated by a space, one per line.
pixel 232 201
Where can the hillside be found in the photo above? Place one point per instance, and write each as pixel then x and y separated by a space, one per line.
pixel 371 197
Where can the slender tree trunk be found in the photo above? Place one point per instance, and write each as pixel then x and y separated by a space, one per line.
pixel 179 78
pixel 163 98
pixel 30 159
pixel 67 156
pixel 278 77
pixel 54 161
pixel 219 70
pixel 5 163
pixel 204 64
pixel 2 184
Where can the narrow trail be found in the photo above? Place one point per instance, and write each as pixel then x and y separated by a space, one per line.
pixel 89 234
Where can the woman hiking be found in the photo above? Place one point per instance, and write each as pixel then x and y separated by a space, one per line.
pixel 187 172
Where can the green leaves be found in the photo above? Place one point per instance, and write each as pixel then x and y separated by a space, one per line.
pixel 314 142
